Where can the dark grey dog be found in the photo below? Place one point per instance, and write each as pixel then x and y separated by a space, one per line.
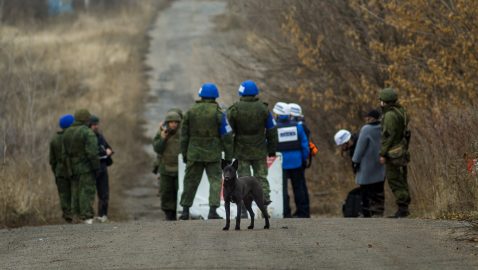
pixel 241 189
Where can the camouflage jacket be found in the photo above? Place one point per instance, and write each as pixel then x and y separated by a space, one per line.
pixel 57 156
pixel 255 133
pixel 205 133
pixel 168 150
pixel 393 127
pixel 81 146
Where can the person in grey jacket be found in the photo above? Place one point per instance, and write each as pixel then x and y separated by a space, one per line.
pixel 370 174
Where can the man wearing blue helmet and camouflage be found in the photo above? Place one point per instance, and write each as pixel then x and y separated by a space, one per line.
pixel 205 133
pixel 60 169
pixel 255 134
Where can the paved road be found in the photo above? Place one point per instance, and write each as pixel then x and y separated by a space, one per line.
pixel 186 51
pixel 289 244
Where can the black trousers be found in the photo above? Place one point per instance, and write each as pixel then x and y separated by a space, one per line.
pixel 301 193
pixel 373 199
pixel 103 189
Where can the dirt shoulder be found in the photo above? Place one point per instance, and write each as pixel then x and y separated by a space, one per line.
pixel 292 243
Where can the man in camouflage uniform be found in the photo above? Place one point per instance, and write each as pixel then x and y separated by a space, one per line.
pixel 394 149
pixel 205 133
pixel 59 167
pixel 81 146
pixel 167 145
pixel 255 135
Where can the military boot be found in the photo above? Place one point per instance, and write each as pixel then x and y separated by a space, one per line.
pixel 185 214
pixel 170 214
pixel 402 212
pixel 212 213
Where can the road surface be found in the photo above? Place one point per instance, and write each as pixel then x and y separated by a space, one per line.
pixel 332 243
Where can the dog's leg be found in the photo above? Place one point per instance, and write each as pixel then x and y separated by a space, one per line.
pixel 260 204
pixel 228 214
pixel 248 204
pixel 238 218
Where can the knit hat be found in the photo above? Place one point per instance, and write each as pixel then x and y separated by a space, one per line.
pixel 94 120
pixel 66 120
pixel 374 114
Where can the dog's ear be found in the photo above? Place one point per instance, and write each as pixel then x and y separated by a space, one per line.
pixel 235 164
pixel 223 164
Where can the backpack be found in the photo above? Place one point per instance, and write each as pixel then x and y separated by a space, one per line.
pixel 352 206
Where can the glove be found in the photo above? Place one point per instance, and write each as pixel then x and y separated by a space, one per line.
pixel 273 154
pixel 355 167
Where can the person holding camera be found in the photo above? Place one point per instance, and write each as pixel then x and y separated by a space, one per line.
pixel 102 178
pixel 167 146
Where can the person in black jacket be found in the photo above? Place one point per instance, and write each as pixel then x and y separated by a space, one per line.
pixel 102 180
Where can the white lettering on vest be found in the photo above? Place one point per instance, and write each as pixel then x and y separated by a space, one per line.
pixel 287 134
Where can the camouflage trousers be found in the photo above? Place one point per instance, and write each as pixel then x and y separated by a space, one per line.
pixel 397 180
pixel 63 184
pixel 192 178
pixel 168 191
pixel 83 189
pixel 259 169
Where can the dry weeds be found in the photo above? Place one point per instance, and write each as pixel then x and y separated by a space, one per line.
pixel 46 70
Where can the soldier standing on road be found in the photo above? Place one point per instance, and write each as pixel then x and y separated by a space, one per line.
pixel 167 146
pixel 394 149
pixel 81 147
pixel 60 168
pixel 255 135
pixel 205 133
pixel 102 179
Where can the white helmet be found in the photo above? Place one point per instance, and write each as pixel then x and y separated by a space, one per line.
pixel 281 108
pixel 295 110
pixel 342 136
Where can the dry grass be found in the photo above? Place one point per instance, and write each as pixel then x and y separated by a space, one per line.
pixel 46 70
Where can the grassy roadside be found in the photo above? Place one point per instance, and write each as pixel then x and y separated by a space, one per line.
pixel 93 61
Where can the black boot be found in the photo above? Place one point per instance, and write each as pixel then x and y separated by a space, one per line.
pixel 212 213
pixel 170 215
pixel 185 214
pixel 402 212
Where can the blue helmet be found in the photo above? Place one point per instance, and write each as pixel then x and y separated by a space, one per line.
pixel 209 91
pixel 248 88
pixel 66 120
